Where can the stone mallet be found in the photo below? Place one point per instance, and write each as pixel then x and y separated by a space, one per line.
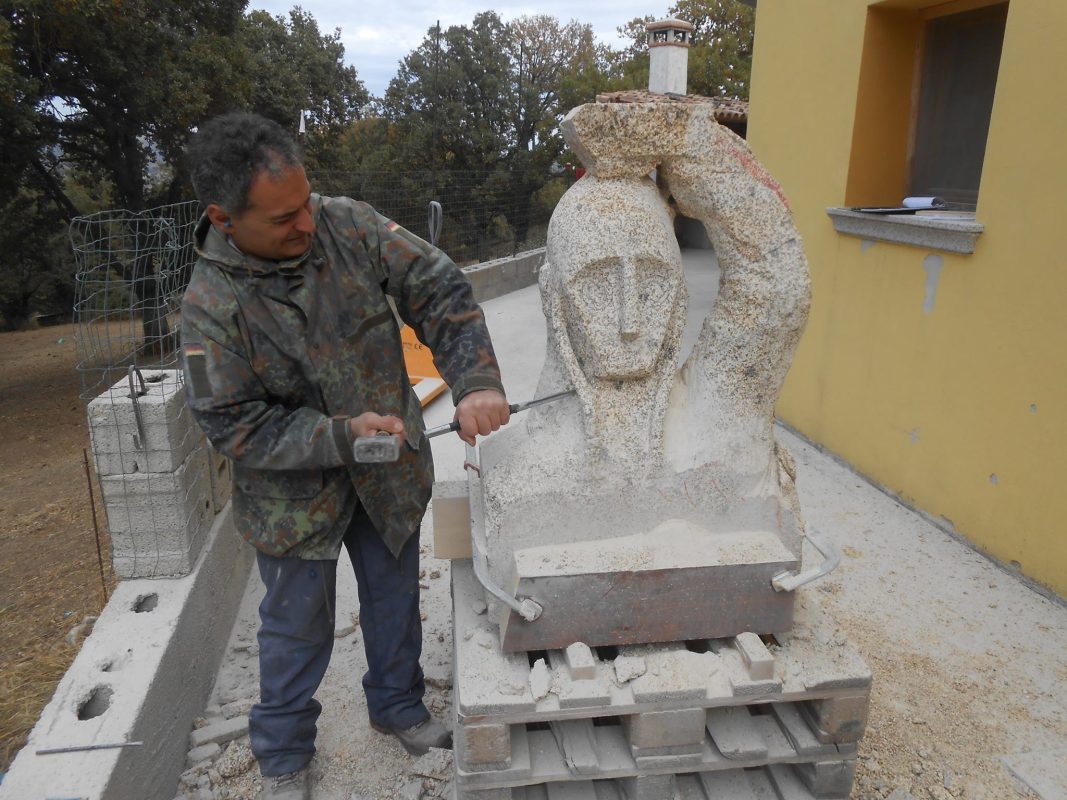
pixel 385 447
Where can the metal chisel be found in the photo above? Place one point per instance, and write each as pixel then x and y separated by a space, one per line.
pixel 385 447
pixel 514 408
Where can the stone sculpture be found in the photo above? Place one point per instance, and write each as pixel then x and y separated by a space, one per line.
pixel 650 466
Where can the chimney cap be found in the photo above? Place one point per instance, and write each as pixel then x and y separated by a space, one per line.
pixel 669 33
pixel 671 22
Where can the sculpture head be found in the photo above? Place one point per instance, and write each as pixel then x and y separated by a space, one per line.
pixel 617 273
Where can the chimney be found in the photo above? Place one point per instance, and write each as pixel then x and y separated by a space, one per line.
pixel 668 55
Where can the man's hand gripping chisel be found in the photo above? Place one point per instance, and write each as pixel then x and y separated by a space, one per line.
pixel 385 447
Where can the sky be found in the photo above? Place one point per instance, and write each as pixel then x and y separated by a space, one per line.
pixel 376 43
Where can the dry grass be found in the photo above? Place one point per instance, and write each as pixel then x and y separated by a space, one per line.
pixel 26 685
pixel 49 574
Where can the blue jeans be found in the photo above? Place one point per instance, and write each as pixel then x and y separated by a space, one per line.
pixel 296 636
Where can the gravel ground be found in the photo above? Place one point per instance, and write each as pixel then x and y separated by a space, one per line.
pixel 969 663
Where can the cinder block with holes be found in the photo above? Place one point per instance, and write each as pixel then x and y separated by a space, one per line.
pixel 166 434
pixel 158 520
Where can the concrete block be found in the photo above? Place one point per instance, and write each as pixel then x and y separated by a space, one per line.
pixel 220 732
pixel 580 693
pixel 742 683
pixel 755 655
pixel 581 663
pixel 828 779
pixel 665 728
pixel 161 658
pixel 451 520
pixel 169 432
pixel 484 744
pixel 204 752
pixel 158 521
pixel 649 787
pixel 838 719
pixel 517 767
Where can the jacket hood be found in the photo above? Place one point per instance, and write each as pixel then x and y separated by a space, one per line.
pixel 214 246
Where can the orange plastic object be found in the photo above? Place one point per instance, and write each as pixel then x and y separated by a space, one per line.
pixel 419 362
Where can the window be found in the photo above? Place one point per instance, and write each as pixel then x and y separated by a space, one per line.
pixel 924 100
pixel 961 55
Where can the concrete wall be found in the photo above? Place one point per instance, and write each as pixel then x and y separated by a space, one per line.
pixel 491 279
pixel 142 675
pixel 947 386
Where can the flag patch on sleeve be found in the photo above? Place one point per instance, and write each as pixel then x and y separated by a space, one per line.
pixel 197 383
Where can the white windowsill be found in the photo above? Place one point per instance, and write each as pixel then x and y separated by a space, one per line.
pixel 930 233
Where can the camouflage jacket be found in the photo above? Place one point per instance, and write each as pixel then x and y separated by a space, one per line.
pixel 278 357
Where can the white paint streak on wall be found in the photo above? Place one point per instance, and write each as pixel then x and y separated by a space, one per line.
pixel 932 264
pixel 866 245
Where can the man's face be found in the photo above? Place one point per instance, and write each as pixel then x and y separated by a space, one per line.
pixel 277 224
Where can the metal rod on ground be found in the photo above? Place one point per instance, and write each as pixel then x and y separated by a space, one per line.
pixel 50 751
pixel 96 527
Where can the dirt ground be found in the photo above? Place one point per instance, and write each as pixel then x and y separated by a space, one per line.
pixel 959 680
pixel 49 574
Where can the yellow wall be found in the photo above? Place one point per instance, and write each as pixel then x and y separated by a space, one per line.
pixel 929 403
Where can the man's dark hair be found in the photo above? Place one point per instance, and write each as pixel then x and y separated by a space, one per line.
pixel 228 152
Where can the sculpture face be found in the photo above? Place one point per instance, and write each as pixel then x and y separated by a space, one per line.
pixel 619 276
pixel 618 307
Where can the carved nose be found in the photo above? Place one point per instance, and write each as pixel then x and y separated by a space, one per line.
pixel 628 322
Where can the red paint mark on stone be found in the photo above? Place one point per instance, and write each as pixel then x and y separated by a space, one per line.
pixel 756 170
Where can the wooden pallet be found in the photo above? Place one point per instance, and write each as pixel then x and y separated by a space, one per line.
pixel 779 782
pixel 714 707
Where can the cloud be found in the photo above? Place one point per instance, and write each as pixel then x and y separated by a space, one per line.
pixel 375 45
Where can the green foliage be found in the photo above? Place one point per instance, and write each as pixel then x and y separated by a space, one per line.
pixel 37 264
pixel 720 59
pixel 281 66
pixel 98 98
pixel 115 86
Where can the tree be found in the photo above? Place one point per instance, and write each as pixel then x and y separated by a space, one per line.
pixel 114 86
pixel 720 59
pixel 36 253
pixel 110 90
pixel 486 100
pixel 282 66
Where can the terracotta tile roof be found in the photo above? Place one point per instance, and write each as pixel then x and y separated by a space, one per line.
pixel 726 109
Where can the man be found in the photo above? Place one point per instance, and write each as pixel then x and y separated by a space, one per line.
pixel 291 351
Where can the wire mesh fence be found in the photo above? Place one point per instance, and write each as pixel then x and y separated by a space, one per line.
pixel 161 482
pixel 132 268
pixel 486 215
